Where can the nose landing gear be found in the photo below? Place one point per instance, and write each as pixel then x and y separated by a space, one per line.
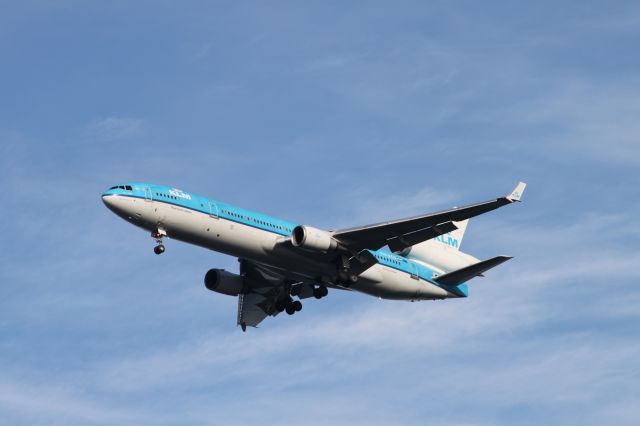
pixel 158 234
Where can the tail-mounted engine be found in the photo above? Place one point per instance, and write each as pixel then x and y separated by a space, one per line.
pixel 224 282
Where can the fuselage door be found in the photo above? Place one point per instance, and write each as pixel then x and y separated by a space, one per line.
pixel 147 194
pixel 213 210
pixel 413 270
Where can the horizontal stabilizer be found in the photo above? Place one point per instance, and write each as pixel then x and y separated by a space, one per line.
pixel 465 274
pixel 402 242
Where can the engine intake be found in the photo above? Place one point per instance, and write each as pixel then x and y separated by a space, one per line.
pixel 224 282
pixel 313 239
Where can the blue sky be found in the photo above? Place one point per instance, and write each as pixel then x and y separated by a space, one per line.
pixel 332 114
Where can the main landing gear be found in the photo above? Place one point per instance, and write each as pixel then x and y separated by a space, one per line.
pixel 293 307
pixel 157 235
pixel 289 305
pixel 320 292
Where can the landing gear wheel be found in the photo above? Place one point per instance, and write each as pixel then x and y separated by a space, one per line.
pixel 157 235
pixel 320 292
pixel 290 309
pixel 297 306
pixel 281 305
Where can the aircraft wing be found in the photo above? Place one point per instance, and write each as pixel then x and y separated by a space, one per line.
pixel 265 286
pixel 253 307
pixel 413 230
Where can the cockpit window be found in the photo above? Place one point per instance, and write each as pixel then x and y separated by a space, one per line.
pixel 124 187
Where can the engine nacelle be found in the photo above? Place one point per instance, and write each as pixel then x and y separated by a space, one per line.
pixel 314 239
pixel 224 282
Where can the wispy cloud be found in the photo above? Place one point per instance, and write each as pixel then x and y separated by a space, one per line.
pixel 571 366
pixel 592 120
pixel 386 112
pixel 368 204
pixel 45 403
pixel 114 128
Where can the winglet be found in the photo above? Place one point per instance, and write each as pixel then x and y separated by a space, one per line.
pixel 516 194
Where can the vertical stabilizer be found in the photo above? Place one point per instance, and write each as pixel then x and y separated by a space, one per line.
pixel 443 253
pixel 453 239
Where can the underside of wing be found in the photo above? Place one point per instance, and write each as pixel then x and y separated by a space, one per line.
pixel 265 286
pixel 252 309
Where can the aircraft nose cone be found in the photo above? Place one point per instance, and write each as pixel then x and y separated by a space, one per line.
pixel 108 201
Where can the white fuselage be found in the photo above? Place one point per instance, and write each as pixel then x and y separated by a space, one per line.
pixel 213 231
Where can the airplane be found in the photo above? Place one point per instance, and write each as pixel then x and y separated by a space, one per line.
pixel 283 262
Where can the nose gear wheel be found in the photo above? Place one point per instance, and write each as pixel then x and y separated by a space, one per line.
pixel 157 235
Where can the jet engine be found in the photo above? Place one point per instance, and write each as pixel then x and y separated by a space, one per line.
pixel 224 282
pixel 314 239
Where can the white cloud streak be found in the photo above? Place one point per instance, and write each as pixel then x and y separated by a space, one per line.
pixel 114 128
pixel 577 366
pixel 47 404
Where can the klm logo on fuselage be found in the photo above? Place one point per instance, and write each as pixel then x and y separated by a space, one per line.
pixel 448 240
pixel 178 193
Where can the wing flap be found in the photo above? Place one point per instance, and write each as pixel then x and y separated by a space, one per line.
pixel 265 286
pixel 397 244
pixel 252 309
pixel 462 275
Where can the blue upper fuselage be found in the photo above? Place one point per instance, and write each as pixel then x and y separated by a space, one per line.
pixel 194 202
pixel 261 221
